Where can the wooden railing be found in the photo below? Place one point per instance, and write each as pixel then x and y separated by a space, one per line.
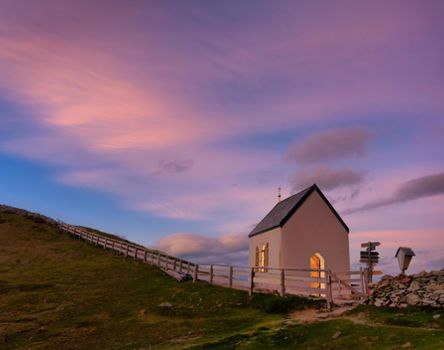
pixel 149 256
pixel 334 287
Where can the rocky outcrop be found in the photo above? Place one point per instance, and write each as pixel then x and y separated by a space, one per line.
pixel 421 289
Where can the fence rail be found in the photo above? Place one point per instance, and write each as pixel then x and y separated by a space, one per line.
pixel 333 286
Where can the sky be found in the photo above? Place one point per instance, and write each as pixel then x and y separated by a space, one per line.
pixel 173 123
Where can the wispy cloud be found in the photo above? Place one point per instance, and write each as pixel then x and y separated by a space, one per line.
pixel 175 166
pixel 162 105
pixel 425 186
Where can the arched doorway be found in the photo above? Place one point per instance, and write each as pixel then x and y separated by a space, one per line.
pixel 317 262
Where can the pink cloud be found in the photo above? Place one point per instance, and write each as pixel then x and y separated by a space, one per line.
pixel 200 248
pixel 110 100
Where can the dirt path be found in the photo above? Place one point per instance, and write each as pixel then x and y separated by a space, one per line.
pixel 314 315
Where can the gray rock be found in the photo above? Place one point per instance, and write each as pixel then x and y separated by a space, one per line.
pixel 336 335
pixel 166 304
pixel 413 299
pixel 414 286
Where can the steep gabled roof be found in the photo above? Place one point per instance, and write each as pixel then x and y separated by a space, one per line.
pixel 283 210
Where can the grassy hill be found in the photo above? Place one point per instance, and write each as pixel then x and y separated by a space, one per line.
pixel 59 292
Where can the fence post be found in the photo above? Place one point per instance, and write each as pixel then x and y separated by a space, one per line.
pixel 106 242
pixel 158 259
pixel 188 267
pixel 250 290
pixel 231 276
pixel 329 291
pixel 174 264
pixel 282 282
pixel 144 257
pixel 211 274
pixel 196 269
pixel 127 250
pixel 180 266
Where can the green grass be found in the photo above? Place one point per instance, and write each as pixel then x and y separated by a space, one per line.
pixel 60 292
pixel 321 335
pixel 408 317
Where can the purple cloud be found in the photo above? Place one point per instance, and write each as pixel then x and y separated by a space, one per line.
pixel 331 145
pixel 425 186
pixel 176 166
pixel 326 178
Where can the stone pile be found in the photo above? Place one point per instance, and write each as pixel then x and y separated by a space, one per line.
pixel 421 289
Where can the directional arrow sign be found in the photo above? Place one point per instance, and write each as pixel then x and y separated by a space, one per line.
pixel 373 255
pixel 372 245
pixel 365 261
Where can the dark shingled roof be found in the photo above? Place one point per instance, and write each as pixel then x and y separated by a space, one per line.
pixel 407 251
pixel 283 210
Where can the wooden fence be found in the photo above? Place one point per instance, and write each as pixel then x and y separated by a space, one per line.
pixel 335 287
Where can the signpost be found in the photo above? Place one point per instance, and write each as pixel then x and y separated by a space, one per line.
pixel 369 257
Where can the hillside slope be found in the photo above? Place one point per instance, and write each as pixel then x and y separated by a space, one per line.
pixel 59 292
pixel 56 292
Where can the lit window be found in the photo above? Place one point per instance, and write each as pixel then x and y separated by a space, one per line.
pixel 263 258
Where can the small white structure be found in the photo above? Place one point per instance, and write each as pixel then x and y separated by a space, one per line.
pixel 404 256
pixel 303 231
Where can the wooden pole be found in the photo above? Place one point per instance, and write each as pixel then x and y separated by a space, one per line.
pixel 180 266
pixel 365 276
pixel 251 288
pixel 144 257
pixel 362 278
pixel 231 276
pixel 329 290
pixel 282 282
pixel 158 259
pixel 196 270
pixel 211 274
pixel 127 250
pixel 370 262
pixel 106 242
pixel 174 264
pixel 135 254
